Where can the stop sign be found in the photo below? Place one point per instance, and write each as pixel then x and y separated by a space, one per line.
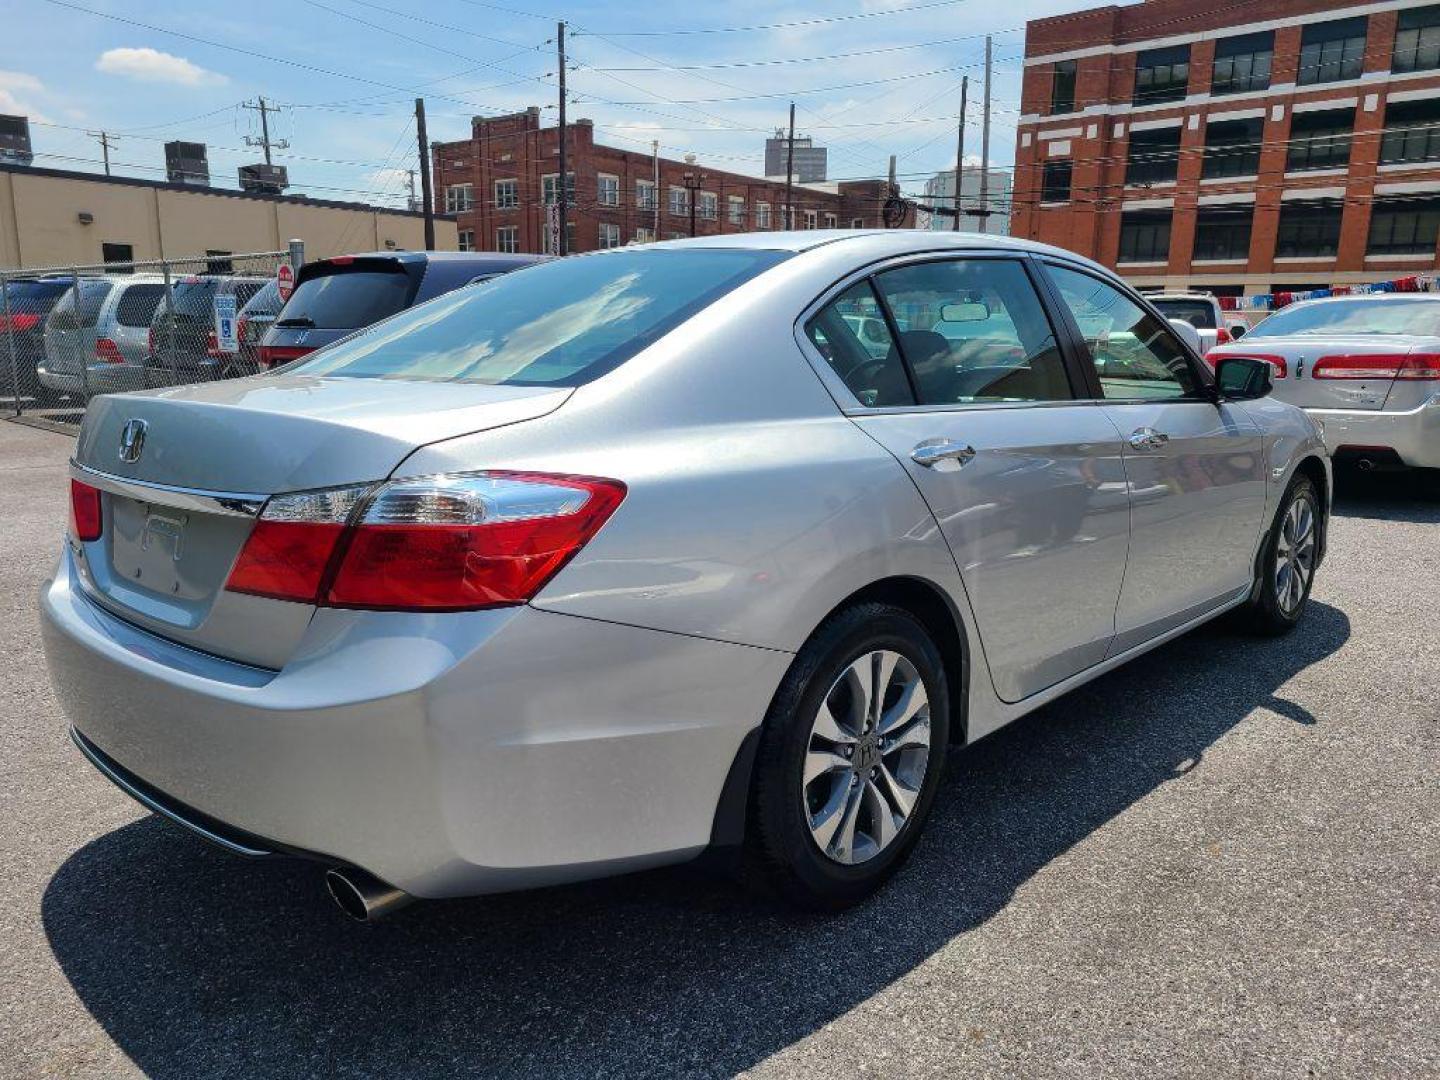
pixel 285 280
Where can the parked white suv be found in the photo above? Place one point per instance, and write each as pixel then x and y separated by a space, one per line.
pixel 1202 311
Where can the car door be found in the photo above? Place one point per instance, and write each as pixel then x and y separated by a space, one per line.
pixel 1195 466
pixel 974 398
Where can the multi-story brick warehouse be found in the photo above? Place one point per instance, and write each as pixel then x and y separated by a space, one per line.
pixel 498 181
pixel 1235 146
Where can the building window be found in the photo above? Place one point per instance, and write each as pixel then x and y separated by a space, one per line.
pixel 1223 233
pixel 1162 75
pixel 507 239
pixel 219 262
pixel 1308 230
pixel 1232 148
pixel 672 235
pixel 762 215
pixel 1417 40
pixel 1062 87
pixel 832 221
pixel 466 239
pixel 1320 140
pixel 607 190
pixel 1331 51
pixel 1055 184
pixel 645 194
pixel 1145 236
pixel 459 198
pixel 736 210
pixel 507 194
pixel 609 235
pixel 644 235
pixel 1153 156
pixel 550 188
pixel 708 206
pixel 1242 64
pixel 548 247
pixel 679 200
pixel 1412 132
pixel 1404 227
pixel 812 219
pixel 857 223
pixel 118 253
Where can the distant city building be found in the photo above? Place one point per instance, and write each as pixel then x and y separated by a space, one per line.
pixel 940 193
pixel 15 140
pixel 811 161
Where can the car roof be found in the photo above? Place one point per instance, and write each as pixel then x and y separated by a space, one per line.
pixel 804 239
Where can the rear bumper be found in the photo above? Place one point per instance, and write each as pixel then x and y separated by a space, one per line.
pixel 449 756
pixel 99 379
pixel 1414 434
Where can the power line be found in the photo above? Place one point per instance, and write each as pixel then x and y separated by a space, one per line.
pixel 792 24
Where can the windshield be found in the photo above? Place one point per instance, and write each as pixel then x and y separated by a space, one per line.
pixel 559 323
pixel 1380 317
pixel 1198 313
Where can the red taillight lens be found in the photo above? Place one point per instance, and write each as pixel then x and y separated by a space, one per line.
pixel 108 351
pixel 274 355
pixel 212 344
pixel 1421 366
pixel 85 519
pixel 1358 366
pixel 18 324
pixel 1274 360
pixel 1222 336
pixel 448 543
pixel 150 341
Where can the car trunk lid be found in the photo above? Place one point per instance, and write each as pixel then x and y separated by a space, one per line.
pixel 1355 371
pixel 177 512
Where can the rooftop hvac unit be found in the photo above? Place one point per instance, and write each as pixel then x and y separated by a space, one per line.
pixel 185 163
pixel 264 179
pixel 15 140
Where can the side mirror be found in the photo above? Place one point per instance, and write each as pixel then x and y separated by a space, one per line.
pixel 1237 331
pixel 1189 334
pixel 1243 378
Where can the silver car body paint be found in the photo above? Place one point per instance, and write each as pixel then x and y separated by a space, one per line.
pixel 594 729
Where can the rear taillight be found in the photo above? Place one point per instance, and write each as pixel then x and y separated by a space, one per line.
pixel 108 351
pixel 212 344
pixel 1420 366
pixel 275 355
pixel 150 341
pixel 1222 336
pixel 1273 359
pixel 444 543
pixel 242 325
pixel 1359 366
pixel 85 520
pixel 18 324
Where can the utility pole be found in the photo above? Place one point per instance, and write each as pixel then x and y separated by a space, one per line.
pixel 425 192
pixel 693 183
pixel 264 108
pixel 106 140
pixel 563 245
pixel 985 148
pixel 960 152
pixel 790 172
pixel 655 192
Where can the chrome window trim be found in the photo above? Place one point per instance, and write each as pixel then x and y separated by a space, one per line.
pixel 231 504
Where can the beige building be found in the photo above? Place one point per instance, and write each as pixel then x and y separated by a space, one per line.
pixel 50 217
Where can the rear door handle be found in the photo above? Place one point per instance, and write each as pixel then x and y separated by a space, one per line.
pixel 1147 438
pixel 942 455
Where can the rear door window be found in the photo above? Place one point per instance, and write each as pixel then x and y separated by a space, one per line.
pixel 137 305
pixel 348 300
pixel 851 334
pixel 559 323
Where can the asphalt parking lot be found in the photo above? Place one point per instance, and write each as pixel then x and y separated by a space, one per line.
pixel 1223 860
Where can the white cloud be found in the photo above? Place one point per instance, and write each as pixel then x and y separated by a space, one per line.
pixel 12 85
pixel 152 65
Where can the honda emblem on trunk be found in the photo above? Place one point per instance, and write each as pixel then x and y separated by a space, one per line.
pixel 132 440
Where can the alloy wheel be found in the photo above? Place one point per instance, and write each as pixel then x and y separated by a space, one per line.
pixel 865 763
pixel 1295 555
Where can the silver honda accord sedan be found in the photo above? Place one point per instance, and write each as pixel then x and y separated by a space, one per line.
pixel 704 545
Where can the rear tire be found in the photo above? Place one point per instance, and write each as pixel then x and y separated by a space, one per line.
pixel 1287 563
pixel 844 778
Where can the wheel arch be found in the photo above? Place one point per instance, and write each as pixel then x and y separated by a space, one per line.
pixel 1313 468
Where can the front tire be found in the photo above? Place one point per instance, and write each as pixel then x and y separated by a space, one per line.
pixel 850 757
pixel 1288 562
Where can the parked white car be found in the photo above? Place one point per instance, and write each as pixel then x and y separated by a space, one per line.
pixel 1202 311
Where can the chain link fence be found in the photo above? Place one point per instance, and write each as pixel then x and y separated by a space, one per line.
pixel 69 333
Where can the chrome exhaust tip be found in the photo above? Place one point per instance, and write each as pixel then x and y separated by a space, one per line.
pixel 364 897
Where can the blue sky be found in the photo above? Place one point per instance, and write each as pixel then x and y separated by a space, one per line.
pixel 346 73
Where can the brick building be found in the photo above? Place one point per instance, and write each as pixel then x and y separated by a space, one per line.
pixel 498 181
pixel 1242 148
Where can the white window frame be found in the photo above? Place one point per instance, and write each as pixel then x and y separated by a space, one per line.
pixel 607 189
pixel 549 189
pixel 644 235
pixel 465 240
pixel 645 194
pixel 459 198
pixel 708 208
pixel 569 239
pixel 736 210
pixel 677 199
pixel 608 235
pixel 832 221
pixel 857 223
pixel 762 215
pixel 812 219
pixel 507 193
pixel 507 239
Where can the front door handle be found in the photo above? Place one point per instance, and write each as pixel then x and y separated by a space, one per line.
pixel 1147 438
pixel 942 455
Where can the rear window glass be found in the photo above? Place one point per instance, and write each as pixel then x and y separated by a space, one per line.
pixel 137 304
pixel 67 315
pixel 1198 313
pixel 32 291
pixel 559 323
pixel 349 301
pixel 1382 317
pixel 193 297
pixel 266 301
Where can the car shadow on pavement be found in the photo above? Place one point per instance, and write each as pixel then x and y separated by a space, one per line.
pixel 1406 495
pixel 201 965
